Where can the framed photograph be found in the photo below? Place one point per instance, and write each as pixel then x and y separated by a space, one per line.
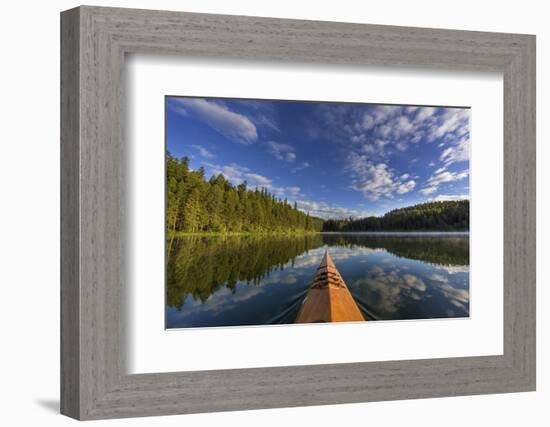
pixel 258 230
pixel 262 213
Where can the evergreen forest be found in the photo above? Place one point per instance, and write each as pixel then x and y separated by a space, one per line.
pixel 195 204
pixel 431 216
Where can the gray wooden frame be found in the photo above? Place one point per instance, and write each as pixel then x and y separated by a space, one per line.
pixel 94 41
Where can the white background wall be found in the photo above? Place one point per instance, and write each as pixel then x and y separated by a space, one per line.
pixel 29 214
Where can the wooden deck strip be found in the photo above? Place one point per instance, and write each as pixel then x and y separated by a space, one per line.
pixel 328 298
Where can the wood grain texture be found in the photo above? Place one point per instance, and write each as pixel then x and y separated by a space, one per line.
pixel 70 220
pixel 94 382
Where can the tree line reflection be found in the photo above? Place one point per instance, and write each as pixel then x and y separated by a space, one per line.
pixel 436 248
pixel 201 265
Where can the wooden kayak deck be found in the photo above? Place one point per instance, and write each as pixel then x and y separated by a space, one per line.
pixel 328 298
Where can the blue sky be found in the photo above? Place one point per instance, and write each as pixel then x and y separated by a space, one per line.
pixel 334 159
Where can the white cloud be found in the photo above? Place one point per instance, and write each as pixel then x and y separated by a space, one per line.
pixel 449 197
pixel 414 282
pixel 203 151
pixel 416 138
pixel 403 125
pixel 385 130
pixel 293 191
pixel 261 113
pixel 373 180
pixel 425 113
pixel 457 153
pixel 374 148
pixel 281 151
pixel 380 131
pixel 428 190
pixel 409 125
pixel 238 174
pixel 257 180
pixel 376 180
pixel 368 122
pixel 447 176
pixel 401 146
pixel 263 120
pixel 439 278
pixel 456 296
pixel 326 211
pixel 234 126
pixel 442 176
pixel 453 120
pixel 377 115
pixel 392 287
pixel 406 187
pixel 233 172
pixel 453 269
pixel 376 133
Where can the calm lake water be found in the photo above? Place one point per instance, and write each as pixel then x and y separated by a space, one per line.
pixel 257 280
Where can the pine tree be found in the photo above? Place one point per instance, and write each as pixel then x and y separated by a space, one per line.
pixel 195 205
pixel 192 212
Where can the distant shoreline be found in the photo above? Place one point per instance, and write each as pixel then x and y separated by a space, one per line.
pixel 398 232
pixel 241 233
pixel 303 233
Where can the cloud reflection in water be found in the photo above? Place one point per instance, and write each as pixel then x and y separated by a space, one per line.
pixel 250 281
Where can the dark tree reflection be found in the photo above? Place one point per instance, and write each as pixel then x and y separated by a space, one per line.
pixel 201 265
pixel 444 249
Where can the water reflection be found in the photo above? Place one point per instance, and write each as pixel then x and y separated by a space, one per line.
pixel 251 280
